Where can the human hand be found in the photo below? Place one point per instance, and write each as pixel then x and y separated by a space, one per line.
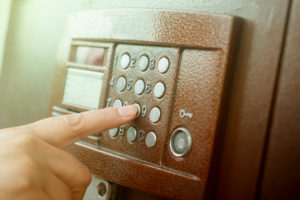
pixel 33 164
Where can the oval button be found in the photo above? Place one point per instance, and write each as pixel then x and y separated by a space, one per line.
pixel 155 114
pixel 131 134
pixel 159 90
pixel 139 87
pixel 143 62
pixel 125 60
pixel 117 103
pixel 138 107
pixel 121 84
pixel 163 65
pixel 113 132
pixel 150 139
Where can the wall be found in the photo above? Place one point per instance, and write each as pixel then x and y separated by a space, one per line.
pixel 4 19
pixel 33 34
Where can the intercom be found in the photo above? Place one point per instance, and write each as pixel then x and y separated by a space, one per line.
pixel 174 66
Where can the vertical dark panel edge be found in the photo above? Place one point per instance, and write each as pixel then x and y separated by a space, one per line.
pixel 235 37
pixel 273 102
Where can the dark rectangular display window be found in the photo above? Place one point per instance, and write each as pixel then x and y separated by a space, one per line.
pixel 90 55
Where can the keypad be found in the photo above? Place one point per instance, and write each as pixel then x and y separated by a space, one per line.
pixel 141 76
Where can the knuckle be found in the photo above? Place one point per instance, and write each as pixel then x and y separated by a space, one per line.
pixel 27 180
pixel 74 121
pixel 26 140
pixel 28 161
pixel 28 176
pixel 87 178
pixel 84 175
pixel 30 167
pixel 24 183
pixel 67 194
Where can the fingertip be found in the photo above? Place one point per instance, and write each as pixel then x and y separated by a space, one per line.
pixel 128 112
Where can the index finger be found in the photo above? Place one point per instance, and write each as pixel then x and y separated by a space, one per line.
pixel 64 130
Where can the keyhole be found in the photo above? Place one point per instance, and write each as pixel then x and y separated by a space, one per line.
pixel 101 189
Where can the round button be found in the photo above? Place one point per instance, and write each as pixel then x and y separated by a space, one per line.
pixel 163 65
pixel 139 87
pixel 155 114
pixel 125 60
pixel 131 134
pixel 150 139
pixel 113 132
pixel 180 142
pixel 117 103
pixel 143 62
pixel 121 84
pixel 159 90
pixel 138 110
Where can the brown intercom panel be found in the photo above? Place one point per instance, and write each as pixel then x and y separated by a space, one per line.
pixel 174 65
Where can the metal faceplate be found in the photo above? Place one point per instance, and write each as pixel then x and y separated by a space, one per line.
pixel 174 66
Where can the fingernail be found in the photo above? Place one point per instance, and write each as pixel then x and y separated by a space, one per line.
pixel 127 111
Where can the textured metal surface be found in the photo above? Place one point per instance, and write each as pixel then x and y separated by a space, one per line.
pixel 156 26
pixel 198 47
pixel 198 90
pixel 138 175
